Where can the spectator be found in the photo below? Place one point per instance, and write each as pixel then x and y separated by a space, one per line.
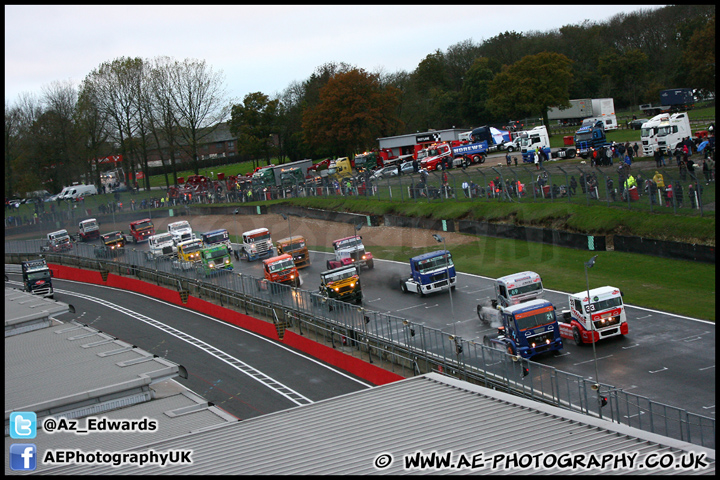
pixel 636 148
pixel 656 155
pixel 507 158
pixel 659 180
pixel 706 172
pixel 691 196
pixel 668 194
pixel 573 185
pixel 678 194
pixel 610 188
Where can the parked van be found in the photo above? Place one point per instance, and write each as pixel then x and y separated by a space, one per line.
pixel 72 193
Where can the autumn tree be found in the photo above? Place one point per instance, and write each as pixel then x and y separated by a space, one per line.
pixel 354 110
pixel 253 123
pixel 699 58
pixel 530 86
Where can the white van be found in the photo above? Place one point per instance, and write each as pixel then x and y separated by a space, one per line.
pixel 72 193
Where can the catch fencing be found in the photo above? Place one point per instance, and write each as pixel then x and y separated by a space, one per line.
pixel 409 348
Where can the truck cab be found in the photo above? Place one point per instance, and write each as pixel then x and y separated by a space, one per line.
pixel 518 288
pixel 161 245
pixel 58 241
pixel 527 329
pixel 605 310
pixel 88 230
pixel 340 168
pixel 216 237
pixel 341 284
pixel 430 273
pixel 435 155
pixel 214 259
pixel 113 244
pixel 256 244
pixel 181 231
pixel 297 247
pixel 671 131
pixel 349 251
pixel 281 269
pixel 536 137
pixel 37 277
pixel 141 230
pixel 588 137
pixel 188 253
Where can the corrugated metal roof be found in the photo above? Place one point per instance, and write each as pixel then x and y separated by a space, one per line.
pixel 178 414
pixel 72 366
pixel 25 311
pixel 345 434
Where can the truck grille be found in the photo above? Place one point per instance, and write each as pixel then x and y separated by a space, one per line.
pixel 609 322
pixel 167 250
pixel 262 247
pixel 41 291
pixel 609 332
pixel 541 339
pixel 439 276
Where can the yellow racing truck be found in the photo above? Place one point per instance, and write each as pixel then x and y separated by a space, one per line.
pixel 188 254
pixel 341 284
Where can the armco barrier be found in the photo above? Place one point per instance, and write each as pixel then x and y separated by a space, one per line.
pixel 666 249
pixel 355 366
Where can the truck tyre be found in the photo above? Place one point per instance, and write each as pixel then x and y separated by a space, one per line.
pixel 477 159
pixel 576 336
pixel 510 349
pixel 327 264
pixel 571 153
pixel 370 264
pixel 510 149
pixel 403 286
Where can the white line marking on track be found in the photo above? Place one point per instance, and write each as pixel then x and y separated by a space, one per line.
pixel 656 371
pixel 706 368
pixel 588 361
pixel 631 346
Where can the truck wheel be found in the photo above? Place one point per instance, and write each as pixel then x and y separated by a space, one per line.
pixel 482 158
pixel 477 158
pixel 571 153
pixel 403 286
pixel 576 336
pixel 370 264
pixel 510 349
pixel 327 264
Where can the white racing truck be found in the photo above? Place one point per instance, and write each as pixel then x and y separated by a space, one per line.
pixel 162 246
pixel 181 231
pixel 510 290
pixel 604 308
pixel 256 244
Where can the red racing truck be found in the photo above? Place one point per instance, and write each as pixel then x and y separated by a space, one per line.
pixel 605 310
pixel 141 230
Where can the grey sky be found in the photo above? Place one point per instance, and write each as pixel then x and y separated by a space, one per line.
pixel 258 48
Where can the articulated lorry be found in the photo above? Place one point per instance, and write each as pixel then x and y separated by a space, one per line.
pixel 586 110
pixel 671 100
pixel 589 137
pixel 430 272
pixel 276 175
pixel 538 137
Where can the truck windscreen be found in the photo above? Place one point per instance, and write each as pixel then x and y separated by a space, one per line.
pixel 430 264
pixel 38 275
pixel 535 318
pixel 525 289
pixel 604 305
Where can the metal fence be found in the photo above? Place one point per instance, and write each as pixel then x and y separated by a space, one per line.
pixel 410 348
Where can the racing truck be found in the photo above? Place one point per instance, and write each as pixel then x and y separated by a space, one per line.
pixel 216 237
pixel 527 329
pixel 188 254
pixel 606 311
pixel 37 277
pixel 341 284
pixel 113 244
pixel 213 259
pixel 58 241
pixel 430 273
pixel 510 290
pixel 297 247
pixel 256 244
pixel 141 230
pixel 281 269
pixel 181 231
pixel 161 246
pixel 350 251
pixel 88 230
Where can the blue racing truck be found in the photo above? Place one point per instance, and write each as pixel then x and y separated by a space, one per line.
pixel 37 277
pixel 527 329
pixel 430 273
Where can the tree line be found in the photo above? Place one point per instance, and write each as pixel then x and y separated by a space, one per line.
pixel 162 106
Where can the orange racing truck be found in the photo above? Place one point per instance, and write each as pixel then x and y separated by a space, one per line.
pixel 281 269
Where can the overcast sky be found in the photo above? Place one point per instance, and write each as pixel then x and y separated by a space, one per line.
pixel 258 48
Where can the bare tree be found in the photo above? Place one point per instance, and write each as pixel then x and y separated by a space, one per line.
pixel 91 125
pixel 200 100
